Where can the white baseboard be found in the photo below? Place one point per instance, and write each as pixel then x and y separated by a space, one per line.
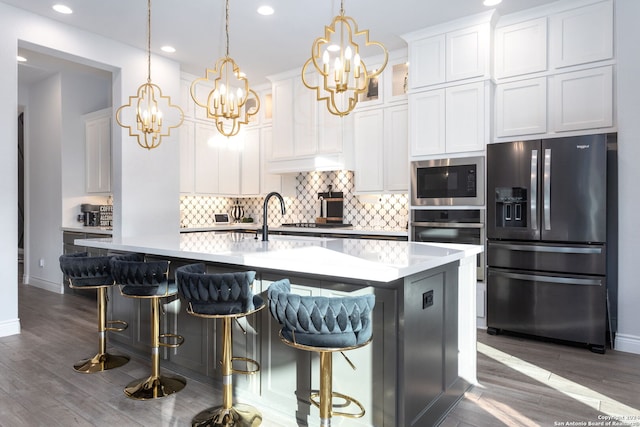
pixel 627 343
pixel 46 285
pixel 9 327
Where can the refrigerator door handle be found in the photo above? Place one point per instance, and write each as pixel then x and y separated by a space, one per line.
pixel 549 279
pixel 547 189
pixel 551 249
pixel 534 189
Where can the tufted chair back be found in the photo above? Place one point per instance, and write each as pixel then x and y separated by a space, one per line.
pixel 336 322
pixel 84 270
pixel 138 277
pixel 217 294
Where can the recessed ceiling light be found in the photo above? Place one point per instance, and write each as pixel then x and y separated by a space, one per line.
pixel 61 8
pixel 168 49
pixel 21 58
pixel 491 2
pixel 333 47
pixel 265 10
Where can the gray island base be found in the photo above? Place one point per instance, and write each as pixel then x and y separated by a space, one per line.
pixel 423 355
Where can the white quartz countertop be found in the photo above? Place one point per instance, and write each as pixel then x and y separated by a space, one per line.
pixel 374 260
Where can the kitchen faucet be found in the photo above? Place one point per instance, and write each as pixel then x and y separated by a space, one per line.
pixel 265 227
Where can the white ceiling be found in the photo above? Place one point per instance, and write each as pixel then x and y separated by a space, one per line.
pixel 260 45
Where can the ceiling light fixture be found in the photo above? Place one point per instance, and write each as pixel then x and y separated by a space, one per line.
pixel 168 49
pixel 231 102
pixel 342 73
pixel 61 8
pixel 490 3
pixel 149 123
pixel 265 10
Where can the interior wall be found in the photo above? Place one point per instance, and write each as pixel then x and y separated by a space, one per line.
pixel 43 165
pixel 149 202
pixel 83 91
pixel 628 92
pixel 9 322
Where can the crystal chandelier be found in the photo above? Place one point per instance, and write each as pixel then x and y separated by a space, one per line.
pixel 343 75
pixel 231 102
pixel 152 110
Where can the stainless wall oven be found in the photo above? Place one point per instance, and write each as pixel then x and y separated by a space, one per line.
pixel 465 226
pixel 448 182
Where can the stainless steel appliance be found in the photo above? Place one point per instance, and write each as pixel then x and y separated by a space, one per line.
pixel 448 182
pixel 464 226
pixel 547 238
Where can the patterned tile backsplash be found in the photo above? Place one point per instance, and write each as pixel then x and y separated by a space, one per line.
pixel 388 211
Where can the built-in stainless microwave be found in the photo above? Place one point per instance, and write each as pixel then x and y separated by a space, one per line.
pixel 457 181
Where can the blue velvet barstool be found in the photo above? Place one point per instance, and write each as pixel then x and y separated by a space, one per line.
pixel 149 280
pixel 225 296
pixel 324 325
pixel 94 272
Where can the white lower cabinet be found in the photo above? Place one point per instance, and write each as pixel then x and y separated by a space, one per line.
pixel 381 150
pixel 449 120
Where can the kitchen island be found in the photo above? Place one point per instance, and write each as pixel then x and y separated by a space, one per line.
pixel 423 355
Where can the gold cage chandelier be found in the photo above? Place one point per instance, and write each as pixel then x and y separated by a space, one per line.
pixel 231 102
pixel 154 112
pixel 342 74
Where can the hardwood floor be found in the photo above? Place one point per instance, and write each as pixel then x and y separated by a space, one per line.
pixel 521 382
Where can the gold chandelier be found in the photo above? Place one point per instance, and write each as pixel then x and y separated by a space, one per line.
pixel 343 75
pixel 231 102
pixel 149 123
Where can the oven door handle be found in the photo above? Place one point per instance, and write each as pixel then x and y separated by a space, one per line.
pixel 448 224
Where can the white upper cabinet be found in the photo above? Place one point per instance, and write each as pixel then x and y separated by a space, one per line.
pixel 572 91
pixel 250 163
pixel 521 48
pixel 465 118
pixel 450 52
pixel 306 136
pixel 427 122
pixel 396 149
pixel 427 61
pixel 450 120
pixel 187 157
pixel 98 151
pixel 582 99
pixel 213 164
pixel 369 149
pixel 582 35
pixel 467 53
pixel 521 107
pixel 381 150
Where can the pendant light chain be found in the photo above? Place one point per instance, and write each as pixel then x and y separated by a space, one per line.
pixel 226 26
pixel 149 41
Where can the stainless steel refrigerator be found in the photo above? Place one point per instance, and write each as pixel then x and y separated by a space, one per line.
pixel 549 226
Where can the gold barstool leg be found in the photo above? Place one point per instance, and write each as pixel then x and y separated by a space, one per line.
pixel 228 415
pixel 323 399
pixel 156 385
pixel 326 371
pixel 103 360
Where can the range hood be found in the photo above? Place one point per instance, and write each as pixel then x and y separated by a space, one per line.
pixel 316 163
